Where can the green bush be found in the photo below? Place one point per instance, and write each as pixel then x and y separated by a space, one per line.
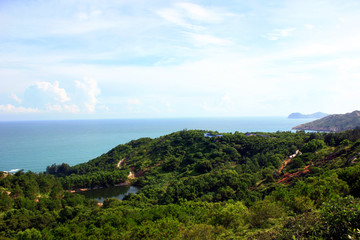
pixel 313 146
pixel 341 217
pixel 262 211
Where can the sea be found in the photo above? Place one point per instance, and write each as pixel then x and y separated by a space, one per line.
pixel 34 145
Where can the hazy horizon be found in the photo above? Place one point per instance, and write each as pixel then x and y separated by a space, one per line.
pixel 177 59
pixel 65 118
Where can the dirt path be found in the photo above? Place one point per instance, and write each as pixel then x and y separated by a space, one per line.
pixel 131 175
pixel 284 164
pixel 287 178
pixel 288 160
pixel 120 162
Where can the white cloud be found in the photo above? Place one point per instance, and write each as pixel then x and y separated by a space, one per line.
pixel 9 108
pixel 134 101
pixel 284 32
pixel 82 16
pixel 332 49
pixel 173 16
pixel 199 13
pixel 204 39
pixel 53 107
pixel 309 26
pixel 90 88
pixel 169 107
pixel 96 13
pixel 197 47
pixel 197 28
pixel 85 24
pixel 59 94
pixel 155 109
pixel 47 97
pixel 192 16
pixel 276 34
pixel 62 108
pixel 73 108
pixel 86 16
pixel 224 104
pixel 16 98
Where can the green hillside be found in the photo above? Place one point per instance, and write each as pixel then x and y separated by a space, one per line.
pixel 333 123
pixel 236 186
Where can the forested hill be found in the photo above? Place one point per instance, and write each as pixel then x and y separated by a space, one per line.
pixel 333 123
pixel 231 186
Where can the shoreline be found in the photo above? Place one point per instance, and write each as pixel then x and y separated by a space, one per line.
pixel 127 183
pixel 107 139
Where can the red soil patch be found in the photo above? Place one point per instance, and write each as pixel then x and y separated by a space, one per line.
pixel 284 164
pixel 287 178
pixel 141 172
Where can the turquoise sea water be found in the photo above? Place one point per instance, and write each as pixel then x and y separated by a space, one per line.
pixel 33 145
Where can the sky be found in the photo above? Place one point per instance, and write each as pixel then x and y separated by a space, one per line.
pixel 80 59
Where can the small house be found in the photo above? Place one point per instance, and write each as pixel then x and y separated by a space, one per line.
pixel 210 135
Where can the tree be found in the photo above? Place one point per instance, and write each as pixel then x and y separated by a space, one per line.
pixel 63 169
pixel 262 211
pixel 52 169
pixel 16 191
pixel 313 146
pixel 29 234
pixel 171 164
pixel 296 163
pixel 5 201
pixel 204 166
pixel 341 218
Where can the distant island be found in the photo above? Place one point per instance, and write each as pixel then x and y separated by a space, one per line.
pixel 297 115
pixel 333 123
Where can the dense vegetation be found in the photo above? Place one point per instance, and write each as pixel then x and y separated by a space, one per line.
pixel 333 123
pixel 238 186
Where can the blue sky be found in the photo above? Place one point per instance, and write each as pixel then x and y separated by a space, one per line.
pixel 76 59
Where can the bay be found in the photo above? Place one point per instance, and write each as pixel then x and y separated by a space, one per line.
pixel 33 145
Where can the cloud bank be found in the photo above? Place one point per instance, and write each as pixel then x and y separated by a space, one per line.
pixel 178 59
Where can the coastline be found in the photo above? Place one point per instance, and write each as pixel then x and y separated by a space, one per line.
pixel 86 140
pixel 126 183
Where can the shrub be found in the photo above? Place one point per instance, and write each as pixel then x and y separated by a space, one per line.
pixel 262 211
pixel 341 216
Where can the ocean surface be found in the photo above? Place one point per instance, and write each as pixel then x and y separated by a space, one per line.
pixel 34 145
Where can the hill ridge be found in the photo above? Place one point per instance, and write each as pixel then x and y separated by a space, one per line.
pixel 333 123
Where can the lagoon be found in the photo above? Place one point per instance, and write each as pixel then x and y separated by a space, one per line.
pixel 101 194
